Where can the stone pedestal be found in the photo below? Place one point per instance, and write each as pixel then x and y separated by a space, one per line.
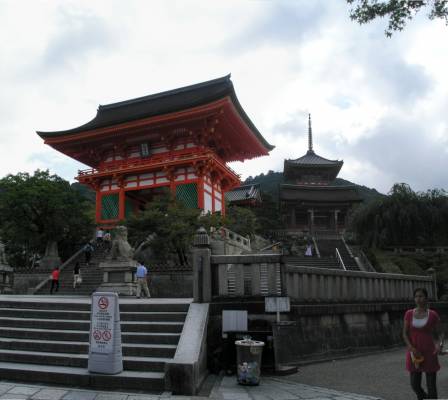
pixel 6 279
pixel 119 277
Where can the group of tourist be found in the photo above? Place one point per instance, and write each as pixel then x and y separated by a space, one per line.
pixel 103 240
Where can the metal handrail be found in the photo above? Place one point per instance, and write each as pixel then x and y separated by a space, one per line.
pixel 316 248
pixel 339 258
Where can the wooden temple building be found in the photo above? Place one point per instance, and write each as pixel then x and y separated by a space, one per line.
pixel 309 199
pixel 180 140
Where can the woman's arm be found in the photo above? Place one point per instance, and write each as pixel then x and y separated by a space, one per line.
pixel 438 338
pixel 407 340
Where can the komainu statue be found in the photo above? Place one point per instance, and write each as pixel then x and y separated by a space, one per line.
pixel 121 249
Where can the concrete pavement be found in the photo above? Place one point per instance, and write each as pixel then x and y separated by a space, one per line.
pixel 224 389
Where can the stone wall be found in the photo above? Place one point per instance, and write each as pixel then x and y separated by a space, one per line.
pixel 321 332
pixel 171 284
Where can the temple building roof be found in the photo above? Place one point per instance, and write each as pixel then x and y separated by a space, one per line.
pixel 322 169
pixel 209 113
pixel 244 193
pixel 319 194
pixel 163 103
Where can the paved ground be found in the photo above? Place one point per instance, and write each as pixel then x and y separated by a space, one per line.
pixel 225 389
pixel 381 375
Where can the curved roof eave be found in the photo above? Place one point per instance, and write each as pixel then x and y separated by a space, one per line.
pixel 163 103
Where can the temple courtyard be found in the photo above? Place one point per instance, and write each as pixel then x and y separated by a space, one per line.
pixel 375 376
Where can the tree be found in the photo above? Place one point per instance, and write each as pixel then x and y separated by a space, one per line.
pixel 399 12
pixel 173 223
pixel 36 209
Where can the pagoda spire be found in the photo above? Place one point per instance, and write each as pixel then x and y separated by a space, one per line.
pixel 310 135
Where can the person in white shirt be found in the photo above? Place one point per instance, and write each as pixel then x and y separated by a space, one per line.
pixel 142 282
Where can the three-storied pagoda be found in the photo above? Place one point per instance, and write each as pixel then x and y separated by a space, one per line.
pixel 179 140
pixel 309 199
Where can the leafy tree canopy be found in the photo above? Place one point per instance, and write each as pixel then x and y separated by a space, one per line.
pixel 35 209
pixel 398 12
pixel 404 217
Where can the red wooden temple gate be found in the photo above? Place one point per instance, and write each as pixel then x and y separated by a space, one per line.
pixel 179 140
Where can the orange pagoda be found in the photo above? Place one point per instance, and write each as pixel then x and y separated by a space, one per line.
pixel 178 140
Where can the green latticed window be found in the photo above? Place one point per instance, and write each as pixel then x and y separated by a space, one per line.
pixel 188 194
pixel 128 208
pixel 109 206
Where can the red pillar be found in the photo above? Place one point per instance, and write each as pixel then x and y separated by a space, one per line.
pixel 121 204
pixel 201 192
pixel 98 206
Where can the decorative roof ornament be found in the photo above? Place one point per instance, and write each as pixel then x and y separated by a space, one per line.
pixel 310 135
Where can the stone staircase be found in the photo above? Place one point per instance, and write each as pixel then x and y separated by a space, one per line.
pixel 46 339
pixel 315 262
pixel 327 248
pixel 91 274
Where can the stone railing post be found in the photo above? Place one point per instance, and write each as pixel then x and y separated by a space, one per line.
pixel 202 274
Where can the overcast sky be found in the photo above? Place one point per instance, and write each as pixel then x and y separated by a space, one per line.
pixel 379 104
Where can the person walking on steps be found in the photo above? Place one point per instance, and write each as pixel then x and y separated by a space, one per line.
pixel 424 343
pixel 76 275
pixel 54 280
pixel 142 279
pixel 88 250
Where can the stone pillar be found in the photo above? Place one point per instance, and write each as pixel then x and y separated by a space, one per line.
pixel 311 220
pixel 202 276
pixel 6 272
pixel 336 212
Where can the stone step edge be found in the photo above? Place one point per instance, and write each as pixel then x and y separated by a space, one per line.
pixel 83 321
pixel 62 331
pixel 61 370
pixel 66 342
pixel 81 356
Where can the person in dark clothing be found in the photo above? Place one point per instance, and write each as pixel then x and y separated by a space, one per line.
pixel 76 275
pixel 54 280
pixel 88 250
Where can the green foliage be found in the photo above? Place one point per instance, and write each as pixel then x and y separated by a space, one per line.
pixel 268 215
pixel 399 12
pixel 35 209
pixel 241 220
pixel 404 217
pixel 174 224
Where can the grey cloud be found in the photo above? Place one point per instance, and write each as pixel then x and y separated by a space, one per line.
pixel 402 149
pixel 285 22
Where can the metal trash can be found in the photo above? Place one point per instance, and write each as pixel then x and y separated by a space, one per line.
pixel 248 361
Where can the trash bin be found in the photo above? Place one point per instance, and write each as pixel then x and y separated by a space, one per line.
pixel 248 361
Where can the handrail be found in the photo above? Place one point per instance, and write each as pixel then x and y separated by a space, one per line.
pixel 366 262
pixel 339 258
pixel 61 268
pixel 270 246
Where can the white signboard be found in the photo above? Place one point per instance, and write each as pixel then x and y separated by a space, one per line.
pixel 105 356
pixel 102 328
pixel 276 304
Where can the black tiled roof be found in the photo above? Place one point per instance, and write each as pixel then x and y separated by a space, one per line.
pixel 244 192
pixel 163 103
pixel 311 159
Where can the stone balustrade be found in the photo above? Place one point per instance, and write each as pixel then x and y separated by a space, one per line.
pixel 305 284
pixel 265 275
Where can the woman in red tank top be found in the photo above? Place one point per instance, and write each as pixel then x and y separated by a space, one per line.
pixel 423 340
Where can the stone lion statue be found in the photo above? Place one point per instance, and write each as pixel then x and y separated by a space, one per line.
pixel 121 250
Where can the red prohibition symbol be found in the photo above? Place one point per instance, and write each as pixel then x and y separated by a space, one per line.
pixel 103 303
pixel 97 335
pixel 107 336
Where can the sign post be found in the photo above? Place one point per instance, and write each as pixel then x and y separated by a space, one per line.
pixel 105 354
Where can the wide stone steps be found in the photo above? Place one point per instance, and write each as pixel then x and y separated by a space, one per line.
pixel 46 339
pixel 128 349
pixel 80 377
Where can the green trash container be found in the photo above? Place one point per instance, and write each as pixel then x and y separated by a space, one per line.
pixel 248 361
